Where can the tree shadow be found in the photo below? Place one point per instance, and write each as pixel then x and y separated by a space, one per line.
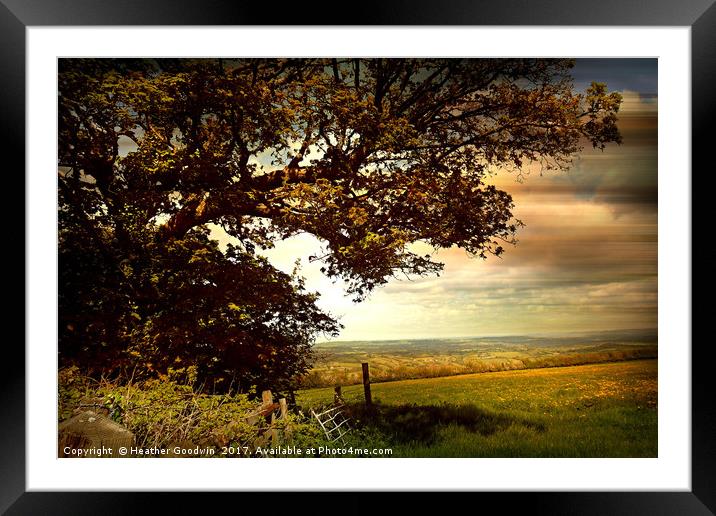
pixel 421 423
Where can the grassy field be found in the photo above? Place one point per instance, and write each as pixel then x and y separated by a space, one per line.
pixel 598 410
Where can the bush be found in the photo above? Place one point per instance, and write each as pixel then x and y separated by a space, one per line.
pixel 162 413
pixel 165 413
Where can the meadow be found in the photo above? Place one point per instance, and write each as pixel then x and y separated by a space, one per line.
pixel 570 396
pixel 596 410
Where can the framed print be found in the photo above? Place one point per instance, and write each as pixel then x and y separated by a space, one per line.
pixel 452 240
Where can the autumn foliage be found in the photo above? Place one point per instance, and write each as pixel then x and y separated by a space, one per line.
pixel 368 155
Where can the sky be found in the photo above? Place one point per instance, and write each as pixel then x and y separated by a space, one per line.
pixel 585 261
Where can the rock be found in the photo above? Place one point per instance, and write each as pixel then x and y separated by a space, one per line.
pixel 93 435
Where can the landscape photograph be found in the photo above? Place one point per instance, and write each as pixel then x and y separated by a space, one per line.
pixel 357 257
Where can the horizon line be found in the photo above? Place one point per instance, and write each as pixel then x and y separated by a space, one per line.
pixel 536 334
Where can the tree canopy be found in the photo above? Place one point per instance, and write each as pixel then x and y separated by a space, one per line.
pixel 368 155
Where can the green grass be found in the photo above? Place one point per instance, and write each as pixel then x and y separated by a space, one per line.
pixel 598 410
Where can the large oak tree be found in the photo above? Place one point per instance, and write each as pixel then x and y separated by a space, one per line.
pixel 368 155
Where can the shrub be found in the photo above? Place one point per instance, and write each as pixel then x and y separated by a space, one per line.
pixel 163 413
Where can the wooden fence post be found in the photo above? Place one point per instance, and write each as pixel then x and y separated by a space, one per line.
pixel 366 384
pixel 284 416
pixel 267 399
pixel 274 432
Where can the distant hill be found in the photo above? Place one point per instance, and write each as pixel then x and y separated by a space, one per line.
pixel 338 362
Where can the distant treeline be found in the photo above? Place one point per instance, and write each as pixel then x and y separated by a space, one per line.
pixel 328 375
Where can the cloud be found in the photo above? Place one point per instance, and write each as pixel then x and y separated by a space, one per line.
pixel 587 258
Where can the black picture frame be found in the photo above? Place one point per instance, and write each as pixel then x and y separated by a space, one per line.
pixel 699 15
